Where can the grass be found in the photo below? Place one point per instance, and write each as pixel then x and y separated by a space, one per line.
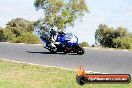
pixel 16 75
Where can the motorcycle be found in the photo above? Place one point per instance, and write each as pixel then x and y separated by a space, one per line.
pixel 65 42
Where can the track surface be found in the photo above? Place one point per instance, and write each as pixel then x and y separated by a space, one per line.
pixel 104 61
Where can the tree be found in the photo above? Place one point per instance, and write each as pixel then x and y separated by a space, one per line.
pixel 60 13
pixel 113 38
pixel 120 32
pixel 19 26
pixel 20 30
pixel 104 36
pixel 130 34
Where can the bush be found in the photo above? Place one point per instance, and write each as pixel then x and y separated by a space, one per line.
pixel 84 44
pixel 123 43
pixel 2 36
pixel 6 35
pixel 10 37
pixel 28 38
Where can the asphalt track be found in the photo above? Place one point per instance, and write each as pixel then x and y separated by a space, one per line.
pixel 97 60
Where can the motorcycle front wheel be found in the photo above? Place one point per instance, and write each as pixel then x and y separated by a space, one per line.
pixel 79 50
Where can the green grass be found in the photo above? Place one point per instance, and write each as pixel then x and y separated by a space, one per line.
pixel 16 75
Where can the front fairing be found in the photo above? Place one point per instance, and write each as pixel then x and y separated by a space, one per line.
pixel 69 38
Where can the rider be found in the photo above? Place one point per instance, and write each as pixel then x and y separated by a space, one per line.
pixel 53 33
pixel 49 37
pixel 53 36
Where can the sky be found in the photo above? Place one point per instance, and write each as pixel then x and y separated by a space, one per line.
pixel 114 13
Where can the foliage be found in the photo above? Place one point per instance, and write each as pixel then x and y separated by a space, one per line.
pixel 84 44
pixel 60 13
pixel 28 38
pixel 110 37
pixel 19 26
pixel 18 30
pixel 120 32
pixel 2 36
pixel 123 43
pixel 104 35
pixel 10 37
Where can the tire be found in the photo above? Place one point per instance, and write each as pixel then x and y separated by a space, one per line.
pixel 79 50
pixel 80 80
pixel 54 50
pixel 65 51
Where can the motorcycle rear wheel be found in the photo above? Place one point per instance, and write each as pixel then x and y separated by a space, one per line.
pixel 53 50
pixel 65 51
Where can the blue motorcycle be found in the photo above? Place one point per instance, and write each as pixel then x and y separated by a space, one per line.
pixel 64 42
